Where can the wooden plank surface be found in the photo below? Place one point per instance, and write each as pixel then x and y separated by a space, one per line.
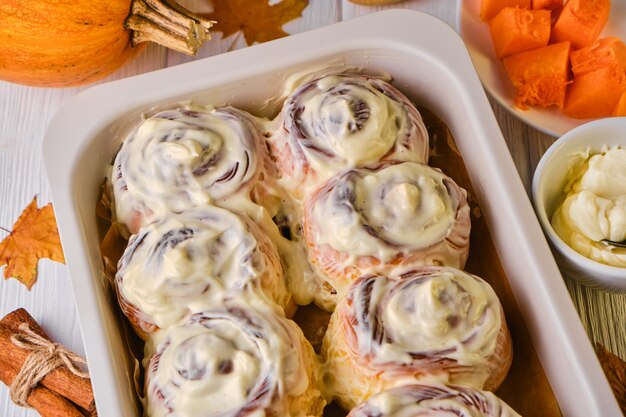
pixel 25 112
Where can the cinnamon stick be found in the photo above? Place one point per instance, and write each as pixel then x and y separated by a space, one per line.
pixel 46 402
pixel 61 380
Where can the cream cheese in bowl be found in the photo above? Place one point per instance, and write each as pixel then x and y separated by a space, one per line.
pixel 579 193
pixel 592 219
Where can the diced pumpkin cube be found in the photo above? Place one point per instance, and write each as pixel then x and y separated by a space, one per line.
pixel 516 30
pixel 490 8
pixel 607 52
pixel 540 76
pixel 595 94
pixel 581 22
pixel 547 4
pixel 620 109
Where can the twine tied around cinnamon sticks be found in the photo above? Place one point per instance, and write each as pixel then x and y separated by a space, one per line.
pixel 60 392
pixel 45 356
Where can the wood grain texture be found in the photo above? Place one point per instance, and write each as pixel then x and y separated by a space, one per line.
pixel 25 112
pixel 24 115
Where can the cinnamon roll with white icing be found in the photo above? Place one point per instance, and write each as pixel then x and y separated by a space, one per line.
pixel 382 218
pixel 430 324
pixel 433 401
pixel 342 121
pixel 190 261
pixel 237 362
pixel 183 158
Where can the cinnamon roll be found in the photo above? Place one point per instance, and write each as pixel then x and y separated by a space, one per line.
pixel 433 401
pixel 183 158
pixel 235 362
pixel 190 261
pixel 433 323
pixel 342 121
pixel 382 218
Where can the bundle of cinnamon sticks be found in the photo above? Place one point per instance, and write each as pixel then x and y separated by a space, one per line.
pixel 60 393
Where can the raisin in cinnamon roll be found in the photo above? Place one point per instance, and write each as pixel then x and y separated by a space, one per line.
pixel 433 401
pixel 182 158
pixel 235 362
pixel 342 121
pixel 384 217
pixel 192 260
pixel 432 323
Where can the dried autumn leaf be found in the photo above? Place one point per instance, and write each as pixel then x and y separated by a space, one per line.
pixel 615 370
pixel 257 19
pixel 34 236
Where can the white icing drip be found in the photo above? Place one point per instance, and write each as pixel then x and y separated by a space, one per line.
pixel 302 281
pixel 405 204
pixel 595 206
pixel 183 158
pixel 190 261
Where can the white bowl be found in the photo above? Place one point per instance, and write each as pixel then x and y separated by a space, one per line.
pixel 547 189
pixel 492 74
pixel 431 65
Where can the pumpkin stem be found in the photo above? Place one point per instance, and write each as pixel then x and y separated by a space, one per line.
pixel 167 23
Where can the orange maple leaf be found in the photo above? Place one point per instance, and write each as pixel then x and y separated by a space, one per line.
pixel 257 19
pixel 34 236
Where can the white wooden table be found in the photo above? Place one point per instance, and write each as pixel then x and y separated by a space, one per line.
pixel 25 113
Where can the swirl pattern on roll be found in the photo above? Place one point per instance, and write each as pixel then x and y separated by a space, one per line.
pixel 189 261
pixel 433 401
pixel 183 158
pixel 340 121
pixel 382 218
pixel 232 363
pixel 432 323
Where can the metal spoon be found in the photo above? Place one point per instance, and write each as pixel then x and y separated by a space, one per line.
pixel 608 242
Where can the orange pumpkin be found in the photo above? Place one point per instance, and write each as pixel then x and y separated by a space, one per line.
pixel 540 76
pixel 490 8
pixel 59 43
pixel 581 22
pixel 620 109
pixel 516 30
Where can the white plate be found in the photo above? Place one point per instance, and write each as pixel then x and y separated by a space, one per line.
pixel 477 38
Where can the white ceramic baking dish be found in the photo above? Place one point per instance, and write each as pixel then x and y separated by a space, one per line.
pixel 428 62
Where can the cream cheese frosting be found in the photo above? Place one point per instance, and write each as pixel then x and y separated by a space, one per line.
pixel 339 121
pixel 594 209
pixel 231 362
pixel 429 311
pixel 338 112
pixel 384 217
pixel 433 401
pixel 182 158
pixel 436 324
pixel 187 262
pixel 404 205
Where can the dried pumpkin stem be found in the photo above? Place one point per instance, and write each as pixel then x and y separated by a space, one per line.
pixel 167 23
